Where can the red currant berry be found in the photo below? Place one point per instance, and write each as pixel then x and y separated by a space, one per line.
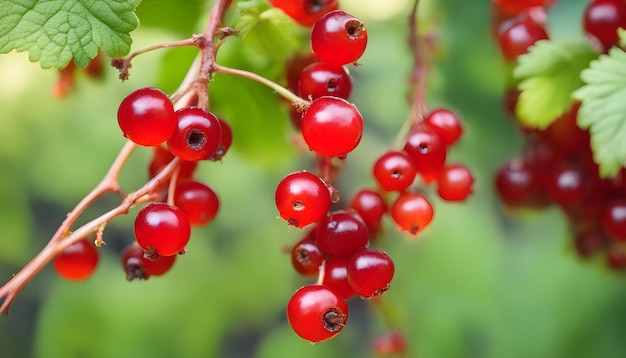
pixel 394 171
pixel 512 8
pixel 317 313
pixel 335 276
pixel 198 201
pixel 370 272
pixel 137 266
pixel 322 79
pixel 515 38
pixel 517 182
pixel 565 136
pixel 455 182
pixel 78 261
pixel 338 38
pixel 302 198
pixel 197 135
pixel 613 219
pixel 341 233
pixel 427 150
pixel 446 123
pixel 305 12
pixel 226 141
pixel 332 126
pixel 306 256
pixel 146 116
pixel 568 185
pixel 161 230
pixel 411 212
pixel 601 20
pixel 371 206
pixel 616 256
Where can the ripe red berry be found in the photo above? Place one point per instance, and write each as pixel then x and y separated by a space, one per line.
pixel 455 182
pixel 317 313
pixel 512 8
pixel 305 12
pixel 427 150
pixel 146 116
pixel 162 156
pixel 370 272
pixel 323 79
pixel 411 212
pixel 371 206
pixel 394 171
pixel 341 233
pixel 516 37
pixel 332 126
pixel 568 185
pixel 601 20
pixel 392 343
pixel 197 134
pixel 589 242
pixel 302 198
pixel 137 266
pixel 517 182
pixel 78 261
pixel 306 256
pixel 338 38
pixel 446 123
pixel 335 276
pixel 198 201
pixel 613 219
pixel 225 142
pixel 161 230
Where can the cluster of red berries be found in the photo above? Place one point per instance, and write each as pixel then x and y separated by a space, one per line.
pixel 337 247
pixel 556 166
pixel 162 230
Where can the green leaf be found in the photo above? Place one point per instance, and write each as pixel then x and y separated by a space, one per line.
pixel 548 75
pixel 603 110
pixel 55 31
pixel 269 32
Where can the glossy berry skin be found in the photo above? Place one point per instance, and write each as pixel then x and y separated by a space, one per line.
pixel 338 38
pixel 225 141
pixel 341 233
pixel 197 135
pixel 568 185
pixel 517 182
pixel 161 230
pixel 317 313
pixel 394 171
pixel 137 266
pixel 336 276
pixel 455 182
pixel 427 150
pixel 305 12
pixel 613 219
pixel 446 123
pixel 411 212
pixel 370 272
pixel 564 135
pixel 515 38
pixel 332 126
pixel 371 206
pixel 146 116
pixel 302 198
pixel 306 256
pixel 322 79
pixel 198 201
pixel 601 20
pixel 78 261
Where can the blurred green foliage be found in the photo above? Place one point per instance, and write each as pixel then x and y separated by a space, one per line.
pixel 480 282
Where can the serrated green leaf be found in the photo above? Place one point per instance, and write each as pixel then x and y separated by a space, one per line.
pixel 548 75
pixel 603 110
pixel 55 31
pixel 269 32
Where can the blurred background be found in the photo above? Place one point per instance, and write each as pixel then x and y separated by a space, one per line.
pixel 481 281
